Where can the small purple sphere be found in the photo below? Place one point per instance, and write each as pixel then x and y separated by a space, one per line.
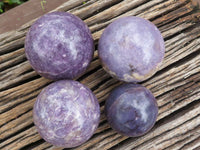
pixel 59 45
pixel 131 110
pixel 131 49
pixel 66 113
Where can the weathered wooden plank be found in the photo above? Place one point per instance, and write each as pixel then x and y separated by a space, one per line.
pixel 184 37
pixel 145 11
pixel 92 7
pixel 116 10
pixel 176 85
pixel 12 38
pixel 182 125
pixel 192 95
pixel 21 139
pixel 11 55
pixel 169 32
pixel 20 33
pixel 170 97
pixel 35 8
pixel 17 124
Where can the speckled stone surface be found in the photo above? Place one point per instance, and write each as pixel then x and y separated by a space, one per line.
pixel 131 110
pixel 66 113
pixel 131 49
pixel 59 45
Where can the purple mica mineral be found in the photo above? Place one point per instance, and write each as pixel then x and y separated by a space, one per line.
pixel 66 113
pixel 59 45
pixel 131 110
pixel 131 49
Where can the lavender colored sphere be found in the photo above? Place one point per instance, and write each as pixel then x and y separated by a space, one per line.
pixel 59 46
pixel 131 110
pixel 131 49
pixel 66 113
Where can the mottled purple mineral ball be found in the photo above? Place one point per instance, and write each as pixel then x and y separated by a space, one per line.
pixel 66 113
pixel 59 45
pixel 131 49
pixel 131 110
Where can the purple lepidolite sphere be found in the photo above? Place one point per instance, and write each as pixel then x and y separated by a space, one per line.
pixel 131 49
pixel 66 113
pixel 59 46
pixel 131 110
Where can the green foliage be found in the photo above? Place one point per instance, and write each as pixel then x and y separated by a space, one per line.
pixel 1 7
pixel 9 2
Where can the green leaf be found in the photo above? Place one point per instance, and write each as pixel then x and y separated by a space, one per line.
pixel 1 7
pixel 10 2
pixel 1 4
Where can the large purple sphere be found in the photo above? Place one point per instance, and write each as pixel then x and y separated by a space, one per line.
pixel 66 113
pixel 59 45
pixel 131 49
pixel 131 110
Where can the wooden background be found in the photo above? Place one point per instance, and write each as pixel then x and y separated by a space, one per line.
pixel 176 85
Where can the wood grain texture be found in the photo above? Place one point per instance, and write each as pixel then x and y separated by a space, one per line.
pixel 176 85
pixel 29 11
